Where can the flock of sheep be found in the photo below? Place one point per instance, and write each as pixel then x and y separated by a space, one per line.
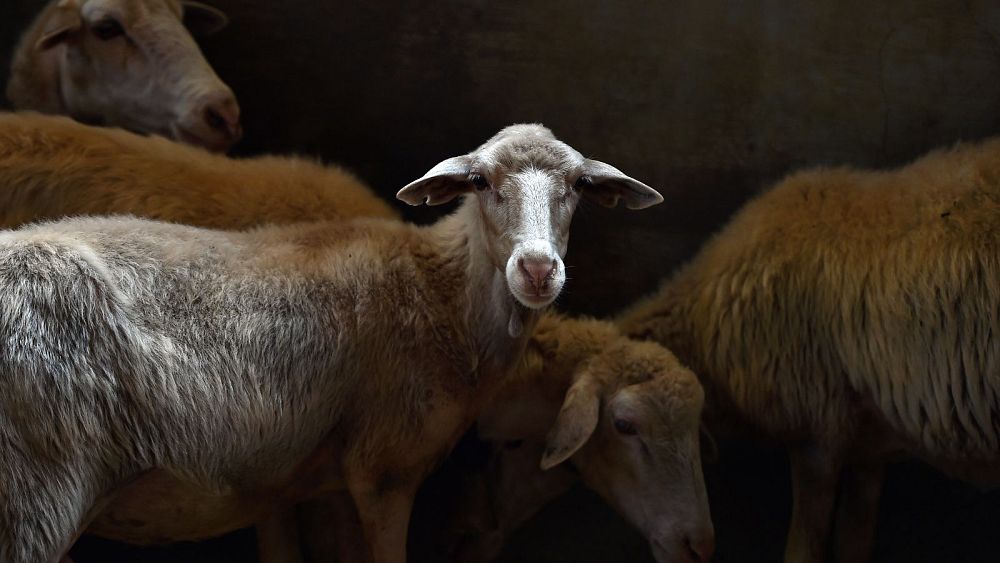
pixel 161 381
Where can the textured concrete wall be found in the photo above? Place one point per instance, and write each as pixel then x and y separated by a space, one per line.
pixel 707 100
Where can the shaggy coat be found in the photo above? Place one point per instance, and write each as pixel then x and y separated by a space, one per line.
pixel 272 364
pixel 52 167
pixel 850 314
pixel 227 359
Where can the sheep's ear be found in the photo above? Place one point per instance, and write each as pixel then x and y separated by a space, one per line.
pixel 62 22
pixel 202 19
pixel 576 422
pixel 608 184
pixel 440 184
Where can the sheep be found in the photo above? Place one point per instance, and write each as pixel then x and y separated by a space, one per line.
pixel 264 366
pixel 629 425
pixel 53 167
pixel 851 316
pixel 625 414
pixel 126 63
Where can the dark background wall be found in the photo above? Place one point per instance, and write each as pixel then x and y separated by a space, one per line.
pixel 706 100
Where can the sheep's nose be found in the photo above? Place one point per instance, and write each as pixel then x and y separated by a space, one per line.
pixel 700 549
pixel 537 270
pixel 221 115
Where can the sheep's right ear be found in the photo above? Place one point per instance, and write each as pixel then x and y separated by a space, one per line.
pixel 61 23
pixel 440 184
pixel 202 19
pixel 576 422
pixel 609 184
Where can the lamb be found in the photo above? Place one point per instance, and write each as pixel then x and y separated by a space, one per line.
pixel 629 425
pixel 851 315
pixel 53 167
pixel 127 63
pixel 264 366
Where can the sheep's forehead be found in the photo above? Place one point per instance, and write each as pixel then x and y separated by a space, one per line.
pixel 521 148
pixel 666 390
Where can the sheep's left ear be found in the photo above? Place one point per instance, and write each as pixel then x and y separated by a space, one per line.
pixel 202 19
pixel 575 423
pixel 604 184
pixel 441 184
pixel 63 22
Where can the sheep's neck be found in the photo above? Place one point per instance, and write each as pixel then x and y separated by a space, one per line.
pixel 488 302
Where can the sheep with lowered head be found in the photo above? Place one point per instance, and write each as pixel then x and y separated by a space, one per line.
pixel 624 414
pixel 53 167
pixel 851 315
pixel 126 63
pixel 262 366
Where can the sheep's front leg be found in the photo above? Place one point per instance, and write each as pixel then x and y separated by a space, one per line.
pixel 384 505
pixel 814 489
pixel 278 538
pixel 857 511
pixel 334 513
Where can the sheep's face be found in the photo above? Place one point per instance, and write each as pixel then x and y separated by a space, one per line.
pixel 527 185
pixel 133 64
pixel 644 458
pixel 630 426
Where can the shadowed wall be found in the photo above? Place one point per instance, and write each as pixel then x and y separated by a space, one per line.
pixel 705 100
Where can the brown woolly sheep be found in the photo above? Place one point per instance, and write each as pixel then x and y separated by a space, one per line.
pixel 851 315
pixel 53 167
pixel 624 414
pixel 128 64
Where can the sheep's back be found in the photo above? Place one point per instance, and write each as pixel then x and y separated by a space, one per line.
pixel 838 290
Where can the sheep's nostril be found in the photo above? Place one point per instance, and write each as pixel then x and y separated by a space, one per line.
pixel 215 121
pixel 223 116
pixel 537 271
pixel 700 550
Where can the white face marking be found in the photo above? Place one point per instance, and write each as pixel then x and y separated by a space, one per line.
pixel 134 65
pixel 529 205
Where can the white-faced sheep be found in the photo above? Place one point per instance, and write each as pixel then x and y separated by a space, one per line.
pixel 271 363
pixel 851 315
pixel 53 167
pixel 126 63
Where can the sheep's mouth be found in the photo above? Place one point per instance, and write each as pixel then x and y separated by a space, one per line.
pixel 535 300
pixel 191 138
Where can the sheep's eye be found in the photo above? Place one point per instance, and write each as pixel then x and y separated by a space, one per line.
pixel 479 181
pixel 513 444
pixel 107 29
pixel 625 427
pixel 582 182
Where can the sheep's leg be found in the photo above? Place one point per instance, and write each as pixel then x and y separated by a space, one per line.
pixel 857 512
pixel 384 507
pixel 814 487
pixel 316 519
pixel 278 538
